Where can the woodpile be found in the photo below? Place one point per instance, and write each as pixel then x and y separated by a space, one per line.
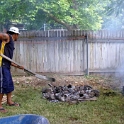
pixel 70 93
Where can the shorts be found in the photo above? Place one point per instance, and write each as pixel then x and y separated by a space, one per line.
pixel 6 82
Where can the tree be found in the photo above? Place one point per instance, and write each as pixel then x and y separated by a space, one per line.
pixel 71 14
pixel 12 10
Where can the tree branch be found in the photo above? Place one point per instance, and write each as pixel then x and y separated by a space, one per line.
pixel 56 19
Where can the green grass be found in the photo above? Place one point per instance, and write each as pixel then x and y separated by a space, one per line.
pixel 106 110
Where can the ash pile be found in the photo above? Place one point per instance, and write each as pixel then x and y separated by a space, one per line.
pixel 70 93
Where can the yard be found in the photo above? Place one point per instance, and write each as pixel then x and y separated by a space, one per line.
pixel 107 109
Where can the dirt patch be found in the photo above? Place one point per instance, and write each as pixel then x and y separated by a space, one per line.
pixel 96 82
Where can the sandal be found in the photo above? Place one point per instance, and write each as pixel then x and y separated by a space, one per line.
pixel 14 104
pixel 2 110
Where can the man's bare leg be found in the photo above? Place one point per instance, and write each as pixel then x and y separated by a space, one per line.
pixel 9 100
pixel 1 108
pixel 1 96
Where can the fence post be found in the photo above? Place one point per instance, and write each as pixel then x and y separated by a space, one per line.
pixel 87 55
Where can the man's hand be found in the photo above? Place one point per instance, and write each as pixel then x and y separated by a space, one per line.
pixel 17 66
pixel 20 67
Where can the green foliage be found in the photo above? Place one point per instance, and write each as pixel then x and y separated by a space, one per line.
pixel 71 14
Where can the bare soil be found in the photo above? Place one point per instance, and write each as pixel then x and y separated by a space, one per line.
pixel 96 82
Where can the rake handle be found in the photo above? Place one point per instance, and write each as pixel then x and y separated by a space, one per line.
pixel 29 71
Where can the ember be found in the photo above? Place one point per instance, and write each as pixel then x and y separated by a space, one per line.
pixel 69 93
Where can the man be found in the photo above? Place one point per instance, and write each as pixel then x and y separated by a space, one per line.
pixel 7 48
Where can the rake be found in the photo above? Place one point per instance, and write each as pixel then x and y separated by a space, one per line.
pixel 29 71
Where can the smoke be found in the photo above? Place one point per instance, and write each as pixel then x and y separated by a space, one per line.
pixel 119 75
pixel 115 23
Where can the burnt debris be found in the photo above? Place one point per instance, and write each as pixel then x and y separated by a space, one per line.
pixel 70 93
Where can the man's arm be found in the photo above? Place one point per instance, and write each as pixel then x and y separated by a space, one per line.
pixel 17 66
pixel 4 37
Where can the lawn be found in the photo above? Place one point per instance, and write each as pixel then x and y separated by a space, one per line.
pixel 108 109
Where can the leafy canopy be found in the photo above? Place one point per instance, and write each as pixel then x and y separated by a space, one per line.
pixel 70 14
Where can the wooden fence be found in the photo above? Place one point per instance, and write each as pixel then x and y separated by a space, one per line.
pixel 70 52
